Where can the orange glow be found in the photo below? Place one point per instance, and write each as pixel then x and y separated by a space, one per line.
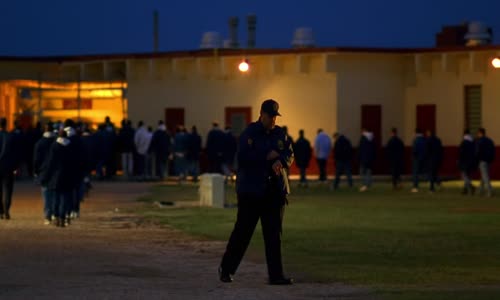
pixel 496 63
pixel 244 66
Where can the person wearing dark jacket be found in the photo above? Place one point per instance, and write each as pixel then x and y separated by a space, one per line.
pixel 193 153
pixel 467 161
pixel 9 162
pixel 62 171
pixel 395 150
pixel 433 157
pixel 367 153
pixel 485 155
pixel 160 147
pixel 40 166
pixel 78 151
pixel 215 149
pixel 264 157
pixel 342 152
pixel 126 148
pixel 303 153
pixel 231 146
pixel 418 157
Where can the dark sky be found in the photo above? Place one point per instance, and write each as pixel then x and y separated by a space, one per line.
pixel 54 27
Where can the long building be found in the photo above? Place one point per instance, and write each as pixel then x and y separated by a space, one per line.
pixel 444 89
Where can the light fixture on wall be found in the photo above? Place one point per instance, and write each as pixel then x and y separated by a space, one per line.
pixel 495 62
pixel 244 66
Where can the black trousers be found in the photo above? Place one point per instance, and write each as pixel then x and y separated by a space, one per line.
pixel 322 169
pixel 396 170
pixel 6 189
pixel 270 211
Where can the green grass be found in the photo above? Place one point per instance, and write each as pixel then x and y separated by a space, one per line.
pixel 411 246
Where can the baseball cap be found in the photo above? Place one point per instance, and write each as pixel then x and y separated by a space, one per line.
pixel 270 107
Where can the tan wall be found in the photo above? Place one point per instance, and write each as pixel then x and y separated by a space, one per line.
pixel 307 101
pixel 446 90
pixel 28 70
pixel 365 79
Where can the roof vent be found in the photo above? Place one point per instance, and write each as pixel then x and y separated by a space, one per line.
pixel 303 38
pixel 211 40
pixel 478 34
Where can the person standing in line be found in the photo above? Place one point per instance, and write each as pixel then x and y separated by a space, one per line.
pixel 194 153
pixel 9 162
pixel 142 140
pixel 322 148
pixel 395 150
pixel 230 149
pixel 485 155
pixel 181 144
pixel 40 166
pixel 303 153
pixel 433 158
pixel 342 154
pixel 418 158
pixel 215 149
pixel 367 153
pixel 467 162
pixel 126 142
pixel 160 148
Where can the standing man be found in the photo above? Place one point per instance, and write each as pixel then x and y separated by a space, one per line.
pixel 303 152
pixel 160 148
pixel 467 161
pixel 194 152
pixel 342 153
pixel 263 160
pixel 485 155
pixel 142 140
pixel 9 161
pixel 395 150
pixel 433 158
pixel 322 148
pixel 215 149
pixel 418 158
pixel 40 166
pixel 126 142
pixel 367 152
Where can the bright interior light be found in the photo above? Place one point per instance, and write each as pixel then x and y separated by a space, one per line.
pixel 244 67
pixel 496 63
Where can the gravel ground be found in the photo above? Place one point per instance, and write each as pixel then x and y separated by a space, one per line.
pixel 111 254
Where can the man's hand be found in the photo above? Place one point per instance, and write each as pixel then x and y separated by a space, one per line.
pixel 277 167
pixel 273 155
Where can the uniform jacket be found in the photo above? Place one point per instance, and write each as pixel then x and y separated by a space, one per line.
pixel 255 174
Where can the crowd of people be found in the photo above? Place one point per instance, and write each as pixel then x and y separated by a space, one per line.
pixel 62 157
pixel 426 153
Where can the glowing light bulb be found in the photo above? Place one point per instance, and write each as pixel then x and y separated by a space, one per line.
pixel 244 66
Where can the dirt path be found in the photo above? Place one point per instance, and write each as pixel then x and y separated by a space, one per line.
pixel 109 254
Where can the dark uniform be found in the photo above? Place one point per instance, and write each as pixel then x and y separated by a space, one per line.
pixel 261 195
